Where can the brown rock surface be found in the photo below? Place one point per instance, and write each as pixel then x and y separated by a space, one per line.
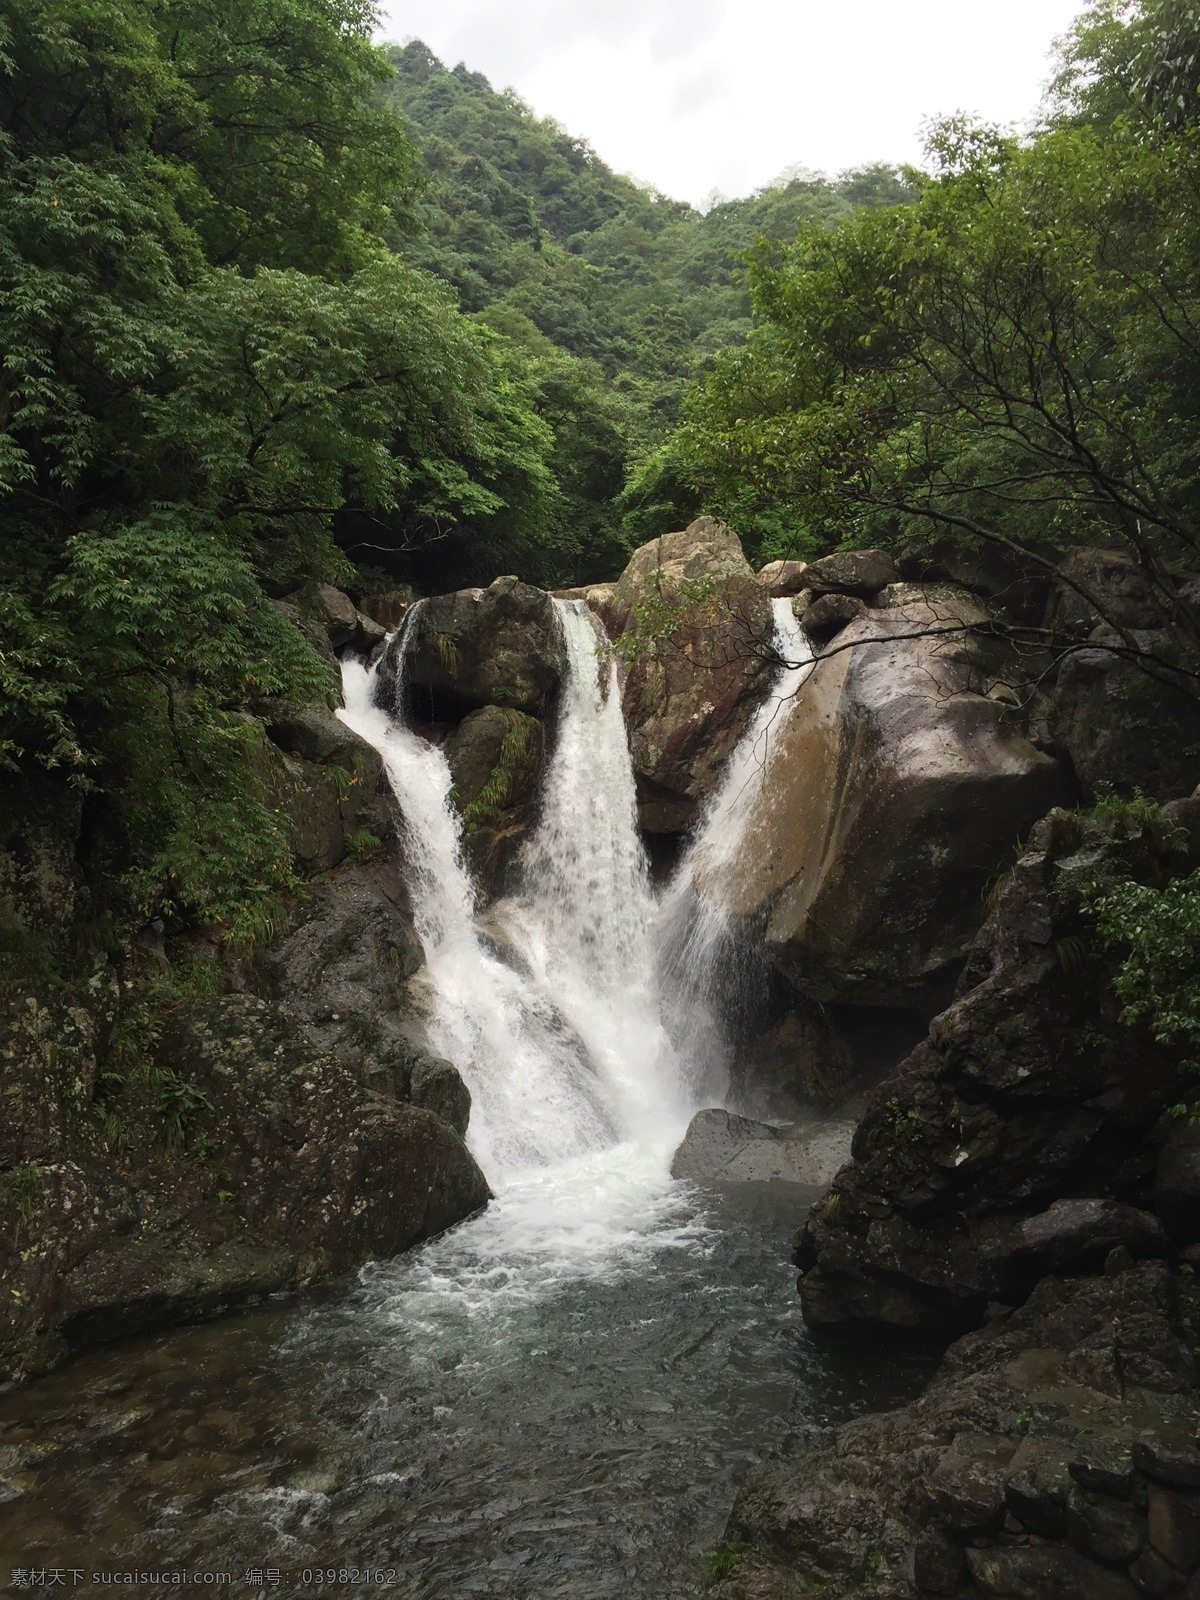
pixel 697 628
pixel 896 787
pixel 783 578
pixel 861 572
pixel 1020 1136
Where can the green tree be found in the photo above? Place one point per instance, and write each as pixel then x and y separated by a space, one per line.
pixel 1010 359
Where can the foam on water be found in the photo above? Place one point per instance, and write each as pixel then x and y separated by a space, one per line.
pixel 563 1049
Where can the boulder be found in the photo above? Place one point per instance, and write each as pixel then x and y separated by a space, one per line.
pixel 695 629
pixel 720 1147
pixel 1119 727
pixel 1106 587
pixel 893 740
pixel 1028 1091
pixel 1018 582
pixel 340 970
pixel 250 1161
pixel 330 804
pixel 783 578
pixel 1071 1236
pixel 828 614
pixel 971 1488
pixel 437 1086
pixel 499 646
pixel 314 733
pixel 860 572
pixel 389 607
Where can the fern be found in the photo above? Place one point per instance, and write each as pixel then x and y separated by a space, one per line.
pixel 514 767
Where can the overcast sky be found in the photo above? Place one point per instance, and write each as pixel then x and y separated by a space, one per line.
pixel 692 95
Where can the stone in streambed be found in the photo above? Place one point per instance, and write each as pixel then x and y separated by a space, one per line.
pixel 722 1147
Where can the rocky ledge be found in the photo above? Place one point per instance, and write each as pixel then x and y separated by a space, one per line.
pixel 1053 1457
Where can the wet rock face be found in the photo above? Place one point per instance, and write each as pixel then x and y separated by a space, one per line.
pixel 496 758
pixel 897 786
pixel 497 646
pixel 1053 1457
pixel 1016 1139
pixel 720 1147
pixel 699 628
pixel 283 1169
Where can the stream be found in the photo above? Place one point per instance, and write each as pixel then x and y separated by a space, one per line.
pixel 557 1398
pixel 560 1396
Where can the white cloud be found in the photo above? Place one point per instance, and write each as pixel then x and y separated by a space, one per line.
pixel 697 94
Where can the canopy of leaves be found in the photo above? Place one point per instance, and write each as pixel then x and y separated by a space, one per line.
pixel 1011 358
pixel 210 357
pixel 619 295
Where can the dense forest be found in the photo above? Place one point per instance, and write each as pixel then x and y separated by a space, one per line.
pixel 283 306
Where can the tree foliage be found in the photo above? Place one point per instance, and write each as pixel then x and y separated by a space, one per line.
pixel 1011 358
pixel 210 359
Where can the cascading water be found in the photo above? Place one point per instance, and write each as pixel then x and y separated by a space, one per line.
pixel 557 1398
pixel 710 966
pixel 563 1050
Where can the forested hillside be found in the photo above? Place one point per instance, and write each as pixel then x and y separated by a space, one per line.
pixel 283 307
pixel 614 297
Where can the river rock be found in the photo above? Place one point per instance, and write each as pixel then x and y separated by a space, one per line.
pixel 724 1148
pixel 283 1169
pixel 860 572
pixel 893 739
pixel 1028 1091
pixel 498 646
pixel 965 1491
pixel 695 628
pixel 783 578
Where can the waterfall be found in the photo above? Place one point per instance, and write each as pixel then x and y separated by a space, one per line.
pixel 561 1048
pixel 711 967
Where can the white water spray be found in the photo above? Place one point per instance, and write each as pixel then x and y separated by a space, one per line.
pixel 706 958
pixel 567 1055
